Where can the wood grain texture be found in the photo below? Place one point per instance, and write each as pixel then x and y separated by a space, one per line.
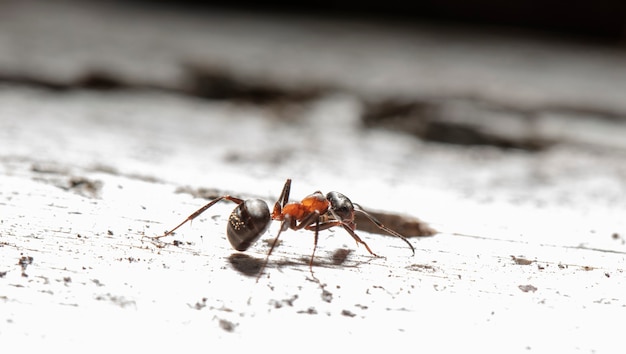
pixel 79 198
pixel 529 254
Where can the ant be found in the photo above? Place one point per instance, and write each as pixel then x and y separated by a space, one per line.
pixel 316 212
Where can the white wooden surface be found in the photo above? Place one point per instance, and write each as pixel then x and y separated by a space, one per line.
pixel 529 258
pixel 96 284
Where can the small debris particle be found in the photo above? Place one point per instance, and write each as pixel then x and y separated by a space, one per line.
pixel 24 262
pixel 279 304
pixel 291 300
pixel 521 260
pixel 527 288
pixel 309 311
pixel 421 267
pixel 588 268
pixel 200 304
pixel 607 275
pixel 347 313
pixel 3 274
pixel 109 232
pixel 67 280
pixel 227 325
pixel 327 296
pixel 117 300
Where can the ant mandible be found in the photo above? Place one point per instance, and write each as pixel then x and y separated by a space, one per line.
pixel 316 212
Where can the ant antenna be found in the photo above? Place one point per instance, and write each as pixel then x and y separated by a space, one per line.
pixel 383 227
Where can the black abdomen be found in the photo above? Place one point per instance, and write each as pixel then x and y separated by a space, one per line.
pixel 247 223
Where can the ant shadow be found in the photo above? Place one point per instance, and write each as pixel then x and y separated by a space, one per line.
pixel 246 265
pixel 252 266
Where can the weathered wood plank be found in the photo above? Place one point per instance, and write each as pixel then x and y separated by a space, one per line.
pixel 530 250
pixel 511 269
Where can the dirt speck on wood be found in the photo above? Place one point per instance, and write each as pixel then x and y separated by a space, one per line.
pixel 527 288
pixel 24 262
pixel 226 325
pixel 521 260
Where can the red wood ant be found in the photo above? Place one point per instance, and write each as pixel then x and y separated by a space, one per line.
pixel 316 212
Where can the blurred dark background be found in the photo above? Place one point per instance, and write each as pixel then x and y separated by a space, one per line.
pixel 603 20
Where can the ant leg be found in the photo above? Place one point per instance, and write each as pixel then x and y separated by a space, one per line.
pixel 290 223
pixel 383 227
pixel 325 293
pixel 317 229
pixel 283 199
pixel 283 226
pixel 200 211
pixel 329 224
pixel 358 239
pixel 306 223
pixel 284 195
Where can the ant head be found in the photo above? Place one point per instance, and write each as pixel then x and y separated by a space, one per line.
pixel 340 206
